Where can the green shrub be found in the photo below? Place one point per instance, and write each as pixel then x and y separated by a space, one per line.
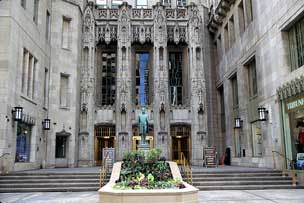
pixel 145 172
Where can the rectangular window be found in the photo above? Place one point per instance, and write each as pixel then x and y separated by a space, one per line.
pixel 231 32
pixel 108 78
pixel 296 44
pixel 29 75
pixel 241 15
pixel 142 79
pixel 166 3
pixel 64 90
pixel 141 3
pixel 181 3
pixel 226 38
pixel 249 11
pixel 45 87
pixel 252 75
pixel 66 33
pixel 101 3
pixel 47 25
pixel 36 11
pixel 23 142
pixel 222 109
pixel 116 3
pixel 61 143
pixel 176 78
pixel 23 3
pixel 24 71
pixel 34 79
pixel 235 99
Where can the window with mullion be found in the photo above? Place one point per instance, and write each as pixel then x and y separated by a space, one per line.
pixel 296 45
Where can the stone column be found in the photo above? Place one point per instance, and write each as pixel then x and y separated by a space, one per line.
pixel 161 98
pixel 199 128
pixel 87 107
pixel 124 84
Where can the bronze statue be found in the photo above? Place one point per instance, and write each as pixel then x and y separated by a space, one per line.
pixel 143 125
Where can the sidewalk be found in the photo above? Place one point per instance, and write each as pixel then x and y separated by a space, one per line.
pixel 236 196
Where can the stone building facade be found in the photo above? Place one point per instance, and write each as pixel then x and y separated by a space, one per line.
pixel 196 67
pixel 259 64
pixel 90 67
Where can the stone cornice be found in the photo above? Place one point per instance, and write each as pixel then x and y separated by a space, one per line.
pixel 291 88
pixel 217 15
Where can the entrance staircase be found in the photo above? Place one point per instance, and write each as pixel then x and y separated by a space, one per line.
pixel 78 180
pixel 50 182
pixel 245 179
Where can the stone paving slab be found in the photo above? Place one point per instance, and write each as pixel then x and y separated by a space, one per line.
pixel 226 196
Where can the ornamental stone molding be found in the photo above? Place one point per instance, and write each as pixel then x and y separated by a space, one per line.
pixel 291 88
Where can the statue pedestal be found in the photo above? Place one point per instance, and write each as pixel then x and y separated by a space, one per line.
pixel 143 147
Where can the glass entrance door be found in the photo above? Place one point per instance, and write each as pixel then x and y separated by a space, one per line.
pixel 179 146
pixel 104 138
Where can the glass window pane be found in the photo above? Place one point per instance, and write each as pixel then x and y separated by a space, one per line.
pixel 23 143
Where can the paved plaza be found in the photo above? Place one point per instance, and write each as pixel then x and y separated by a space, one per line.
pixel 240 196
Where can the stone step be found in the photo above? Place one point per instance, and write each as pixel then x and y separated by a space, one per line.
pixel 49 185
pixel 238 183
pixel 249 187
pixel 260 178
pixel 49 176
pixel 48 189
pixel 235 174
pixel 95 180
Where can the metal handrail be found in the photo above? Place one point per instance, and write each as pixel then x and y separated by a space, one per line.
pixel 103 171
pixel 291 163
pixel 186 168
pixel 6 166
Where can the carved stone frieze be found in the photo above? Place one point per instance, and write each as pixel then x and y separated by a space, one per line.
pixel 291 88
pixel 170 13
pixel 177 33
pixel 136 13
pixel 107 33
pixel 147 13
pixel 142 34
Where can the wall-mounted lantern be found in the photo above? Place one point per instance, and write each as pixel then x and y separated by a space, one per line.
pixel 17 113
pixel 262 113
pixel 238 123
pixel 46 124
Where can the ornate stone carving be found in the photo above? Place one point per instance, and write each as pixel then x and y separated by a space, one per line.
pixel 291 88
pixel 195 22
pixel 176 34
pixel 160 30
pixel 101 13
pixel 181 13
pixel 113 13
pixel 106 33
pixel 124 25
pixel 88 26
pixel 170 13
pixel 142 34
pixel 147 13
pixel 136 13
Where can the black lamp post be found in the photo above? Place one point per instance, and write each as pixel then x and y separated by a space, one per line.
pixel 17 113
pixel 262 113
pixel 46 124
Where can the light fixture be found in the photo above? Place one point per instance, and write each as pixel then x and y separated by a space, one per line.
pixel 46 124
pixel 238 123
pixel 262 114
pixel 17 113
